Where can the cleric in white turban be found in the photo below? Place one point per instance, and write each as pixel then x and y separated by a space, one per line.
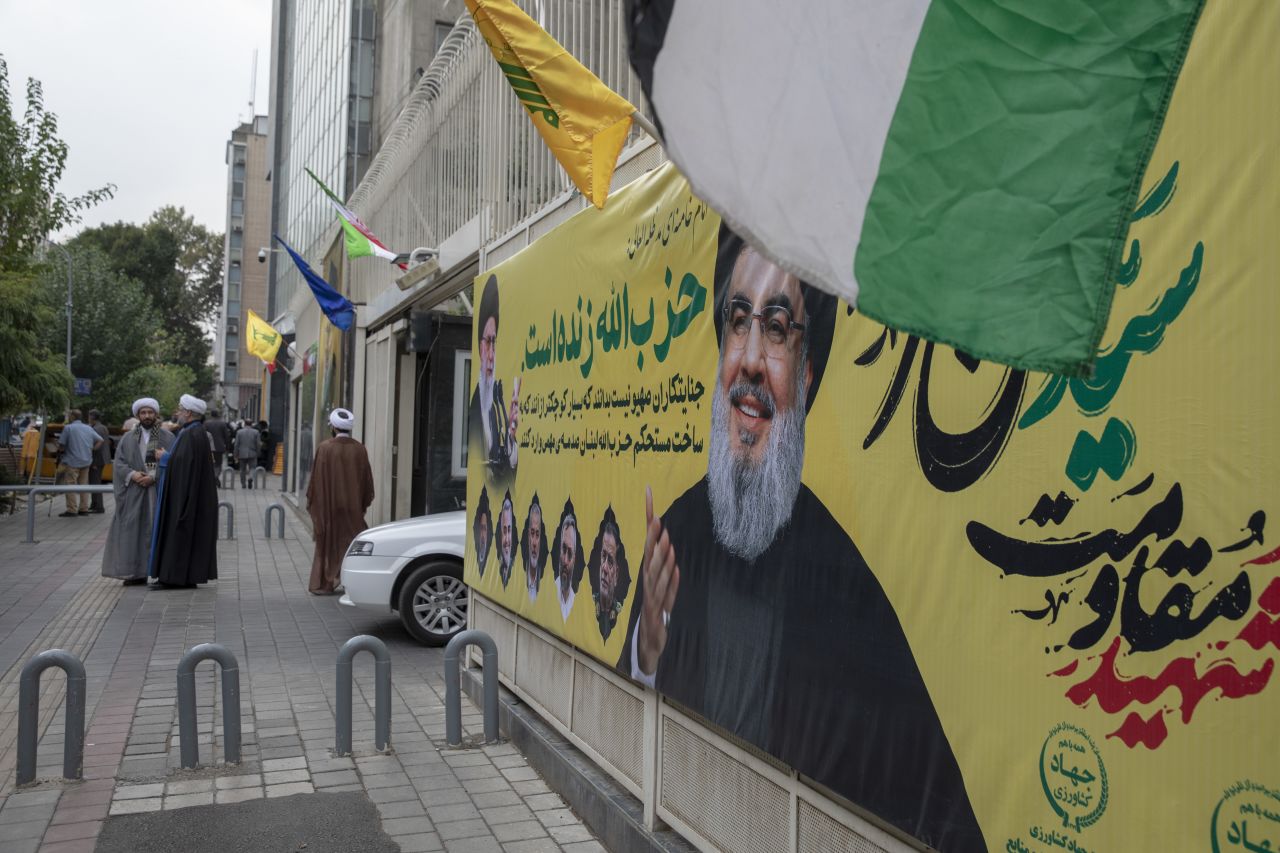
pixel 146 403
pixel 184 546
pixel 340 490
pixel 342 420
pixel 134 480
pixel 194 405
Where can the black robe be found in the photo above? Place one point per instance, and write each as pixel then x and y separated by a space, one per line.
pixel 800 652
pixel 497 453
pixel 184 542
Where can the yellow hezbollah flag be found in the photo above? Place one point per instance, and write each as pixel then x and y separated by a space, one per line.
pixel 583 121
pixel 264 341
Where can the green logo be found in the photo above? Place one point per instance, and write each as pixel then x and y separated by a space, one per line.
pixel 1248 816
pixel 1073 776
pixel 265 337
pixel 529 93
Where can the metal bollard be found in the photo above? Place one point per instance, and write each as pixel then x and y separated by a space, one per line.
pixel 260 478
pixel 231 517
pixel 266 519
pixel 453 686
pixel 29 712
pixel 231 483
pixel 187 703
pixel 382 693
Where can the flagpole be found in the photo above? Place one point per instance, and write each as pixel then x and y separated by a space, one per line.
pixel 647 126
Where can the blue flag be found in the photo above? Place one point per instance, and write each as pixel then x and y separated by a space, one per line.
pixel 335 306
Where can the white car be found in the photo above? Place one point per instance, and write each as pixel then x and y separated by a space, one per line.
pixel 413 567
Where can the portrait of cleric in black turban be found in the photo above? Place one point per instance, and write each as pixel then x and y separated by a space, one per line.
pixel 567 559
pixel 493 418
pixel 482 530
pixel 533 548
pixel 609 573
pixel 506 539
pixel 753 605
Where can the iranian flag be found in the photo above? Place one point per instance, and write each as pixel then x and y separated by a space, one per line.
pixel 359 240
pixel 963 170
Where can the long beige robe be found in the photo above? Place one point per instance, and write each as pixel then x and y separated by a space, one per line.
pixel 340 491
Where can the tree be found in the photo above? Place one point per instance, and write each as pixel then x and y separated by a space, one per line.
pixel 179 264
pixel 30 376
pixel 32 160
pixel 166 382
pixel 115 330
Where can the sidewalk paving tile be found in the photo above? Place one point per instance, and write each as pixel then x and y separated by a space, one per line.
pixel 430 798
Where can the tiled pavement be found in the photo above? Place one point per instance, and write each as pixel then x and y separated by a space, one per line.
pixel 286 641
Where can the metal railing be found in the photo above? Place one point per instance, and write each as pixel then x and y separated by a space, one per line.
pixel 34 491
pixel 463 147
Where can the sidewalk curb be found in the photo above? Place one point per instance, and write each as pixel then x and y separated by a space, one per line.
pixel 612 813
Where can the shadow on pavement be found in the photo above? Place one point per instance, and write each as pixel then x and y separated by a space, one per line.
pixel 315 823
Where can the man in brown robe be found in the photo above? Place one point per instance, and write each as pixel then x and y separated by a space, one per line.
pixel 340 491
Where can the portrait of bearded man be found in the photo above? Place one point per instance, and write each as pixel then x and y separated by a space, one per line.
pixel 482 531
pixel 755 608
pixel 533 548
pixel 506 539
pixel 609 572
pixel 567 558
pixel 493 420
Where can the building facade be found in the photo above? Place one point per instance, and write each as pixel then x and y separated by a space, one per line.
pixel 341 71
pixel 244 286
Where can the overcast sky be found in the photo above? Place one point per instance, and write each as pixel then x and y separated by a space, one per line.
pixel 146 93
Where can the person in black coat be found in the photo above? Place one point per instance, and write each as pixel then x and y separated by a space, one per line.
pixel 184 540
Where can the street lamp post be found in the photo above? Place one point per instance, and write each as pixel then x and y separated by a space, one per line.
pixel 66 255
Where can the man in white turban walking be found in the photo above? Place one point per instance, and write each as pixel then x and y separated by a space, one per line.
pixel 129 540
pixel 184 541
pixel 340 491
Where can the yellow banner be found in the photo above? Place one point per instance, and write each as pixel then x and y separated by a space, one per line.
pixel 1000 610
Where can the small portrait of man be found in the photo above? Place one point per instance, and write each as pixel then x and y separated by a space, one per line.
pixel 482 530
pixel 567 558
pixel 755 608
pixel 609 573
pixel 506 539
pixel 493 419
pixel 533 548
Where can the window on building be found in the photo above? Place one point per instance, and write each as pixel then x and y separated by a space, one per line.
pixel 233 272
pixel 443 28
pixel 233 327
pixel 237 239
pixel 461 410
pixel 237 207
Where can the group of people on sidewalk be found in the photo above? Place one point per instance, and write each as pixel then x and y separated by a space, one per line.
pixel 166 504
pixel 241 445
pixel 85 451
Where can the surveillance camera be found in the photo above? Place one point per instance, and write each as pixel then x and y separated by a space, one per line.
pixel 262 256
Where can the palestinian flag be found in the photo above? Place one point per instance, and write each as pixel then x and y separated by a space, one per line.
pixel 961 170
pixel 359 239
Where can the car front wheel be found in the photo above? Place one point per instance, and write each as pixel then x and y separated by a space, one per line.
pixel 433 602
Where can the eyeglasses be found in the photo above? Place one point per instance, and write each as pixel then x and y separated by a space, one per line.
pixel 489 340
pixel 776 324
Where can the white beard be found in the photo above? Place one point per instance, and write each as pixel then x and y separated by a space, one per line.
pixel 751 502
